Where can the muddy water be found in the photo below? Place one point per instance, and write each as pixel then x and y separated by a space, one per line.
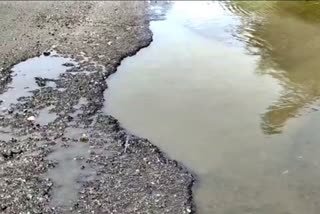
pixel 231 89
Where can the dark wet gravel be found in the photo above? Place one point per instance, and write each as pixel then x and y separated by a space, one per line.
pixel 130 174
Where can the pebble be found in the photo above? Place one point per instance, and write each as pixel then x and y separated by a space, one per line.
pixel 31 118
pixel 46 53
pixel 285 172
pixel 10 110
pixel 84 138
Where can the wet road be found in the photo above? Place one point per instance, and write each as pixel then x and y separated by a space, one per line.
pixel 231 89
pixel 59 153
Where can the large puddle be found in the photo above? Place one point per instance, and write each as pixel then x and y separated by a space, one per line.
pixel 231 89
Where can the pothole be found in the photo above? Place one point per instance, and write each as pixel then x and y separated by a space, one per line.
pixel 33 73
pixel 70 170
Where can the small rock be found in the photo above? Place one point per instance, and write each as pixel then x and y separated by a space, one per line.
pixel 68 64
pixel 69 118
pixel 14 140
pixel 10 110
pixel 285 172
pixel 84 138
pixel 29 196
pixel 46 53
pixel 31 118
pixel 40 81
pixel 1 158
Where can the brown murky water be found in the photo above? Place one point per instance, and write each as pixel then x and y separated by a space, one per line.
pixel 231 89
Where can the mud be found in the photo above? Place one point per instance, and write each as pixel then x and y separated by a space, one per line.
pixel 58 152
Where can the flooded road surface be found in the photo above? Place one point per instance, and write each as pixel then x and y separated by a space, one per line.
pixel 231 90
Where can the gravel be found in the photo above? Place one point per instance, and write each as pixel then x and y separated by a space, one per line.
pixel 112 171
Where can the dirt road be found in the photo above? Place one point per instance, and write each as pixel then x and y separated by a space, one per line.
pixel 81 161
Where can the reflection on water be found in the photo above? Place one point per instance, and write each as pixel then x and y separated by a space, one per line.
pixel 286 35
pixel 25 74
pixel 219 79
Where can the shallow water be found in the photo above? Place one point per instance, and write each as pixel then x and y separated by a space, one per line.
pixel 25 73
pixel 45 116
pixel 231 89
pixel 68 172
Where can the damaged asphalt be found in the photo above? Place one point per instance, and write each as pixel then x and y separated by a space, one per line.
pixel 81 160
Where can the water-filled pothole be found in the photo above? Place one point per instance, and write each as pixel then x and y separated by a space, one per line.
pixel 212 93
pixel 31 74
pixel 70 170
pixel 33 106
